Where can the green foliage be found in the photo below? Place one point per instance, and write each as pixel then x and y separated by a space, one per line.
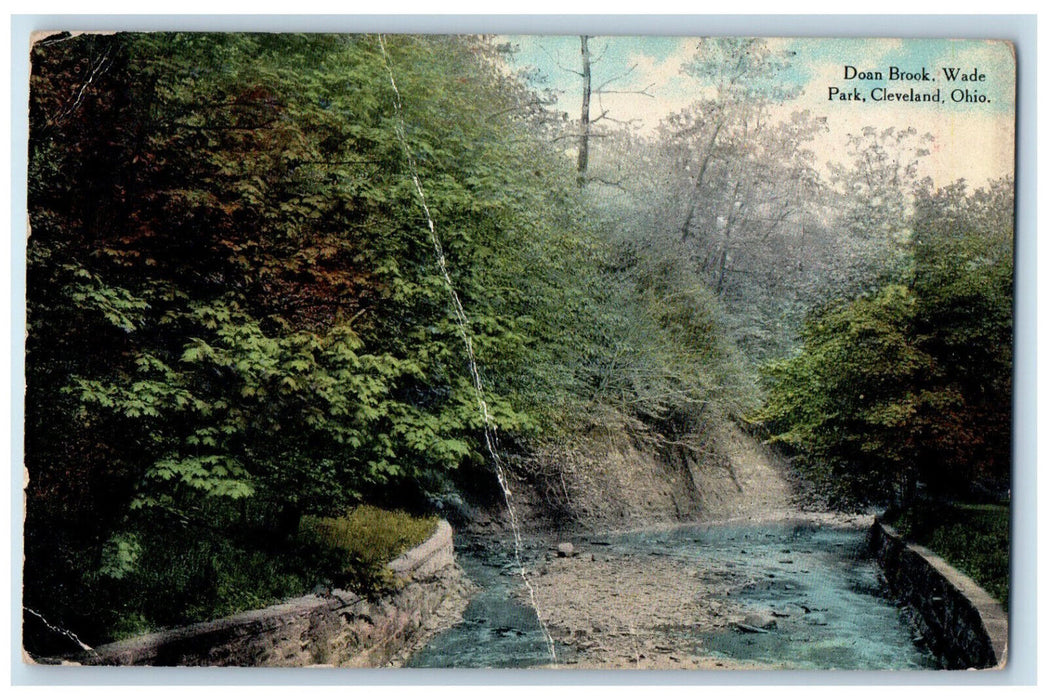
pixel 119 555
pixel 972 537
pixel 233 300
pixel 165 569
pixel 367 539
pixel 964 277
pixel 911 383
pixel 237 322
pixel 179 581
pixel 659 352
pixel 845 403
pixel 235 314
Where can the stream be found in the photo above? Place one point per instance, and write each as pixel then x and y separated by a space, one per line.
pixel 811 593
pixel 498 629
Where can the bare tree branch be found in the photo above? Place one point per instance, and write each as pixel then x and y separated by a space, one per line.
pixel 515 108
pixel 642 91
pixel 557 62
pixel 620 76
pixel 601 56
pixel 603 181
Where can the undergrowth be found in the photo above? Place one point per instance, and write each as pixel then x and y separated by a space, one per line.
pixel 972 537
pixel 366 539
pixel 171 574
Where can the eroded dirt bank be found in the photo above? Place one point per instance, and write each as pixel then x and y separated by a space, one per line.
pixel 631 610
pixel 619 479
pixel 615 609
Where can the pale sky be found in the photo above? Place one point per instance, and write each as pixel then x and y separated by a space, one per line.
pixel 973 140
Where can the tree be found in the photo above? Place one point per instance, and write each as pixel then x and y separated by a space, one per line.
pixel 752 202
pixel 235 314
pixel 584 118
pixel 963 276
pixel 744 75
pixel 912 383
pixel 586 123
pixel 876 191
pixel 845 404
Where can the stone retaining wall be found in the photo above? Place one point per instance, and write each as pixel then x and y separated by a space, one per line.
pixel 335 629
pixel 958 620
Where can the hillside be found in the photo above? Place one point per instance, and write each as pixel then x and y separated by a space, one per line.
pixel 627 478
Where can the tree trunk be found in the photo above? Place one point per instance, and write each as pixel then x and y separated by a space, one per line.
pixel 685 229
pixel 584 121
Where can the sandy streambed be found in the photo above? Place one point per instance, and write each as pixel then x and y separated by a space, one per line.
pixel 621 610
pixel 797 593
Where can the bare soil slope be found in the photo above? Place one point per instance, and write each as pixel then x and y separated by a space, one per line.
pixel 747 480
pixel 627 478
pixel 633 612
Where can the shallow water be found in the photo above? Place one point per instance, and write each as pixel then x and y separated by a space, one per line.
pixel 817 582
pixel 497 630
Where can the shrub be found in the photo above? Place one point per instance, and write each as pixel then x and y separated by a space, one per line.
pixel 972 537
pixel 367 538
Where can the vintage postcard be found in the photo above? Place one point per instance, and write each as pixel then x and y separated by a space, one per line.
pixel 558 352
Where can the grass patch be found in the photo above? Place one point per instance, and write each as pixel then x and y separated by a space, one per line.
pixel 367 538
pixel 971 537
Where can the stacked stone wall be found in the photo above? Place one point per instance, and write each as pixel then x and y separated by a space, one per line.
pixel 338 628
pixel 958 620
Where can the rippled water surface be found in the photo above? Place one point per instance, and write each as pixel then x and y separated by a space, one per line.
pixel 816 582
pixel 497 630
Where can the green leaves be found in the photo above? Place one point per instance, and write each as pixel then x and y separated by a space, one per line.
pixel 118 306
pixel 213 475
pixel 237 316
pixel 897 385
pixel 847 401
pixel 119 555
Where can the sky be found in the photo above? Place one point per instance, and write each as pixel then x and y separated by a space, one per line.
pixel 973 140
